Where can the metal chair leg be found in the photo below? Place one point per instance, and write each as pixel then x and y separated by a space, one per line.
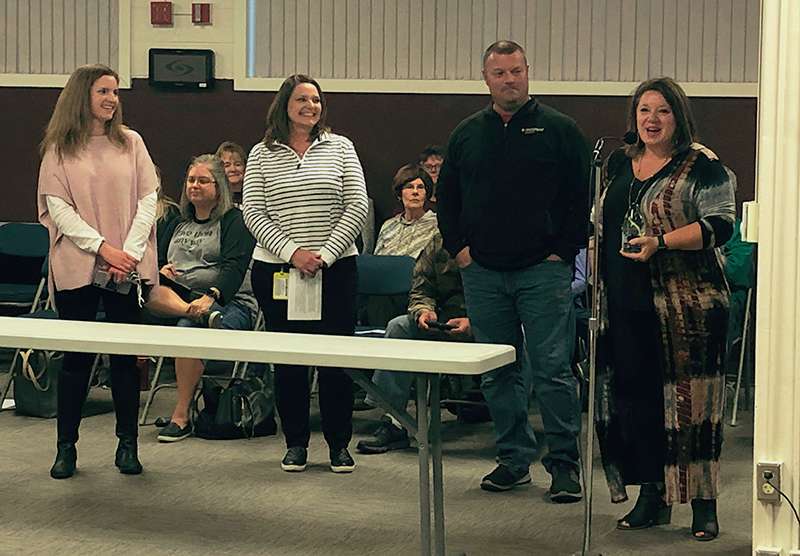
pixel 152 393
pixel 742 352
pixel 93 372
pixel 10 380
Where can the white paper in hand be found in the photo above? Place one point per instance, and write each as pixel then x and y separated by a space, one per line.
pixel 305 296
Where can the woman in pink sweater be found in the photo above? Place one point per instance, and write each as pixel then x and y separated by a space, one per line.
pixel 97 198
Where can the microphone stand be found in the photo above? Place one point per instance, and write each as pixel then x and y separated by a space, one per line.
pixel 594 326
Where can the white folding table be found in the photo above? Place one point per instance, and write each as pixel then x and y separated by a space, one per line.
pixel 429 359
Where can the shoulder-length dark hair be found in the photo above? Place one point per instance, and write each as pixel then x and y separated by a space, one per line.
pixel 278 117
pixel 70 125
pixel 685 127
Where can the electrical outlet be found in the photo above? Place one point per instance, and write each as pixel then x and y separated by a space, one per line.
pixel 768 551
pixel 768 479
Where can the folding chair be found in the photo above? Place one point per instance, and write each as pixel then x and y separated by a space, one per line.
pixel 23 245
pixel 382 276
pixel 239 370
pixel 17 297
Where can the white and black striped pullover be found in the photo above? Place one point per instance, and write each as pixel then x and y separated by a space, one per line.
pixel 317 202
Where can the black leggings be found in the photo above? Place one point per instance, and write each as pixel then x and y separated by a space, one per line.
pixel 82 304
pixel 291 381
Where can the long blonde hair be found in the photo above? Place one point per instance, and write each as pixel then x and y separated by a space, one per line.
pixel 163 201
pixel 70 126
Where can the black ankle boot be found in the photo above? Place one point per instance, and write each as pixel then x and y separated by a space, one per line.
pixel 127 458
pixel 66 458
pixel 649 510
pixel 705 526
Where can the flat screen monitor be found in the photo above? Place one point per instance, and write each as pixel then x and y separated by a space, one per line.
pixel 182 68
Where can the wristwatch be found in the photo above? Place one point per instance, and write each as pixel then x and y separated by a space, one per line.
pixel 661 243
pixel 214 293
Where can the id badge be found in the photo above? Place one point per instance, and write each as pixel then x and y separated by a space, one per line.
pixel 280 286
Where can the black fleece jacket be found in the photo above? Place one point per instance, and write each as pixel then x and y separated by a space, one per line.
pixel 517 192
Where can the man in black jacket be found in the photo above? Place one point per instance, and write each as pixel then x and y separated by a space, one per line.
pixel 513 211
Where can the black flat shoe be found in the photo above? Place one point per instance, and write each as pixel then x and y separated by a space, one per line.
pixel 650 510
pixel 127 459
pixel 66 459
pixel 705 526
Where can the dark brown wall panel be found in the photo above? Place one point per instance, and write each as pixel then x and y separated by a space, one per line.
pixel 387 129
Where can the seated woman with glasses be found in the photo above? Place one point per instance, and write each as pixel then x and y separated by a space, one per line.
pixel 431 158
pixel 204 274
pixel 405 234
pixel 410 231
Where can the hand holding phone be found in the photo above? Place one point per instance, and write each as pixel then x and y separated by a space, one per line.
pixel 104 278
pixel 440 325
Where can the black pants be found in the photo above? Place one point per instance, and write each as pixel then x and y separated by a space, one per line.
pixel 82 304
pixel 291 381
pixel 638 390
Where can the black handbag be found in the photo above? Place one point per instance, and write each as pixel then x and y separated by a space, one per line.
pixel 36 384
pixel 239 408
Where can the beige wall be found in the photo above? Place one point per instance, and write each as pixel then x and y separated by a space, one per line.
pixel 219 36
pixel 567 40
pixel 595 47
pixel 44 37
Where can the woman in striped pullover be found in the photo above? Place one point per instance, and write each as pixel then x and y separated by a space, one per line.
pixel 305 202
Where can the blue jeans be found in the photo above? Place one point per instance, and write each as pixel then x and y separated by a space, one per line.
pixel 536 300
pixel 235 316
pixel 396 385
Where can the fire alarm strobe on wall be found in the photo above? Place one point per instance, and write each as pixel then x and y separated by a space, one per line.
pixel 181 68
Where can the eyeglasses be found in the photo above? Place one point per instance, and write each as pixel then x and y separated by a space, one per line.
pixel 202 180
pixel 432 167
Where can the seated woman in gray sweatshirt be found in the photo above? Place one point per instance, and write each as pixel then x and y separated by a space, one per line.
pixel 204 274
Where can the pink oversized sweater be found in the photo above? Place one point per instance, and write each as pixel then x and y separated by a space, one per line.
pixel 103 183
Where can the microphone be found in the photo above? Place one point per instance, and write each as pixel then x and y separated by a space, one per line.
pixel 630 138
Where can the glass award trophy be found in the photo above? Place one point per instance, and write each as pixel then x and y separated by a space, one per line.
pixel 633 226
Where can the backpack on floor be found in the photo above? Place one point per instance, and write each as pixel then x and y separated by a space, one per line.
pixel 235 408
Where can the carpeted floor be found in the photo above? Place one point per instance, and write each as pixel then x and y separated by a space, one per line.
pixel 230 497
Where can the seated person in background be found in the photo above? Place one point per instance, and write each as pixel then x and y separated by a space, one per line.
pixel 431 159
pixel 365 242
pixel 168 214
pixel 579 287
pixel 234 160
pixel 405 234
pixel 412 229
pixel 436 296
pixel 739 272
pixel 204 276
